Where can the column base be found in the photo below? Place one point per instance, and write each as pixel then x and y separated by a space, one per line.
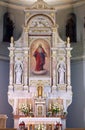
pixel 10 87
pixel 54 88
pixel 25 88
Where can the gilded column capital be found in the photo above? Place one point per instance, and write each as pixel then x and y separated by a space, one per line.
pixel 26 28
pixel 54 28
pixel 52 14
pixel 53 54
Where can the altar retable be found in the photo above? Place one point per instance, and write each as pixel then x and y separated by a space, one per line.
pixel 40 75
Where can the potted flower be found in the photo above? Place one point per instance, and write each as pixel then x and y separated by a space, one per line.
pixel 58 125
pixel 22 125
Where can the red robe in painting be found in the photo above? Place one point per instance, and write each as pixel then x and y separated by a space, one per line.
pixel 39 55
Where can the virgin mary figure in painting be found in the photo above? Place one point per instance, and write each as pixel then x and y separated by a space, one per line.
pixel 40 55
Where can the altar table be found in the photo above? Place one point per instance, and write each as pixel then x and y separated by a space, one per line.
pixel 40 120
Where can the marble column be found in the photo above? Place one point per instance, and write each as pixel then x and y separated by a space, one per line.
pixel 54 36
pixel 68 65
pixel 54 69
pixel 11 74
pixel 25 60
pixel 54 30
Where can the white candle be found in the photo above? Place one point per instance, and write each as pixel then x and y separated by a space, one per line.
pixel 50 106
pixel 30 106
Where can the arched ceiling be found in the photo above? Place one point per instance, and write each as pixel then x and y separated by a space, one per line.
pixel 58 4
pixel 50 2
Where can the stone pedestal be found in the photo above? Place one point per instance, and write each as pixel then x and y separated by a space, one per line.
pixel 3 119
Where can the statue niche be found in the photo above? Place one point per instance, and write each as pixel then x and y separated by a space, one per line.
pixel 61 73
pixel 18 72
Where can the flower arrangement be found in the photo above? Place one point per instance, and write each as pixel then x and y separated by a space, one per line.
pixel 57 126
pixel 55 109
pixel 22 125
pixel 25 109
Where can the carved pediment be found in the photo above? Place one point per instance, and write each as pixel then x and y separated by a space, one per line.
pixel 40 21
pixel 40 4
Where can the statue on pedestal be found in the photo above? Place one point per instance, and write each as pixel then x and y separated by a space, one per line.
pixel 61 73
pixel 18 73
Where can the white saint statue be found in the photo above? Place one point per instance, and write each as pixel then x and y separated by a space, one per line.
pixel 61 74
pixel 18 73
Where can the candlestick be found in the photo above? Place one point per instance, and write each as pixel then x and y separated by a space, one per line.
pixel 50 106
pixel 12 39
pixel 68 39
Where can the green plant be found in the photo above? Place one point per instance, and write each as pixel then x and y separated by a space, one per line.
pixel 64 113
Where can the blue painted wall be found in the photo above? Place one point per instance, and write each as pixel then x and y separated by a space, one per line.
pixel 76 111
pixel 5 107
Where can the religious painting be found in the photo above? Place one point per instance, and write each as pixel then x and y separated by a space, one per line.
pixel 40 58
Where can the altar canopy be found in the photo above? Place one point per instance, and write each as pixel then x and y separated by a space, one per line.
pixel 40 76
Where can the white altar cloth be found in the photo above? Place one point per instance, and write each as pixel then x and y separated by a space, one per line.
pixel 40 120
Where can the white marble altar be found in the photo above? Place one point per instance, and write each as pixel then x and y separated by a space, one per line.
pixel 40 82
pixel 41 121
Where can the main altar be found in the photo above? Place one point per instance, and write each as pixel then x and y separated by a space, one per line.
pixel 41 123
pixel 40 77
